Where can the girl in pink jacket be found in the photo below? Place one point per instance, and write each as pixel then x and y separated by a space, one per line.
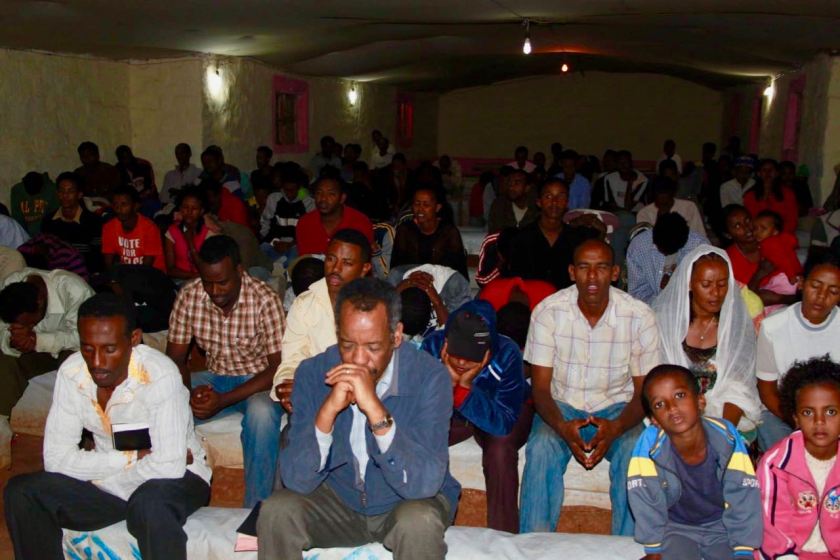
pixel 799 476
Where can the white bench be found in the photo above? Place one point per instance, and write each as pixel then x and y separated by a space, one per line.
pixel 220 439
pixel 212 534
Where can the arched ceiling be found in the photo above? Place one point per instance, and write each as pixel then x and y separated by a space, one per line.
pixel 443 44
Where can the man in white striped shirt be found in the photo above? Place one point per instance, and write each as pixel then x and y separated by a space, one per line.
pixel 589 346
pixel 112 385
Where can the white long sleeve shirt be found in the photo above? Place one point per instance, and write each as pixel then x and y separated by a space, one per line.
pixel 152 394
pixel 57 331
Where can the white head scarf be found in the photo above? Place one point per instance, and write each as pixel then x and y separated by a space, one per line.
pixel 735 356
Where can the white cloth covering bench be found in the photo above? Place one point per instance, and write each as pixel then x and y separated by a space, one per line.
pixel 220 439
pixel 212 533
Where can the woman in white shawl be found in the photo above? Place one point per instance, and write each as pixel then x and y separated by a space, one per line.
pixel 704 326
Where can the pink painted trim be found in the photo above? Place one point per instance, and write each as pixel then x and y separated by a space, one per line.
pixel 285 84
pixel 793 119
pixel 405 120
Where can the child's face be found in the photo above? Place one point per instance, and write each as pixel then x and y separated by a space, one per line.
pixel 818 416
pixel 764 228
pixel 675 407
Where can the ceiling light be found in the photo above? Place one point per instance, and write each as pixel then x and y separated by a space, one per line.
pixel 526 46
pixel 770 90
pixel 215 83
pixel 352 95
pixel 564 68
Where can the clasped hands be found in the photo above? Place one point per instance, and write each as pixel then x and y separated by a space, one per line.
pixel 205 402
pixel 351 384
pixel 590 453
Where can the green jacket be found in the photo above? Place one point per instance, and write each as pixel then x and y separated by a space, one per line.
pixel 28 209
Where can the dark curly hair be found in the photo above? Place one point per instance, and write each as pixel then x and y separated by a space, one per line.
pixel 815 371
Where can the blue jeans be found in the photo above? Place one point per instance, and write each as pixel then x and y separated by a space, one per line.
pixel 272 253
pixel 771 430
pixel 620 238
pixel 546 458
pixel 260 432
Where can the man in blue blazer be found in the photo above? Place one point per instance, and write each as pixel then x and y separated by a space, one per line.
pixel 366 458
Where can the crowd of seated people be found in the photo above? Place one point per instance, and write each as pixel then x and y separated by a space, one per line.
pixel 664 321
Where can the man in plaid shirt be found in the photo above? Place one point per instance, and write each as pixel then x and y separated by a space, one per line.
pixel 238 320
pixel 590 346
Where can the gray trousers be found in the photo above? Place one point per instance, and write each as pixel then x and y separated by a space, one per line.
pixel 693 542
pixel 290 523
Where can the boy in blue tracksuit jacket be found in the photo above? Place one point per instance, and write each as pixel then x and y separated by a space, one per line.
pixel 491 400
pixel 691 486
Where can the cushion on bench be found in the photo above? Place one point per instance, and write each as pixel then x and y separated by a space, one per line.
pixel 212 533
pixel 29 415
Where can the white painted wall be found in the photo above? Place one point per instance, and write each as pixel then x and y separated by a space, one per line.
pixel 166 108
pixel 50 104
pixel 588 113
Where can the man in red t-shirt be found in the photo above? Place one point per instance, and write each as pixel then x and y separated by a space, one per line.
pixel 131 238
pixel 315 229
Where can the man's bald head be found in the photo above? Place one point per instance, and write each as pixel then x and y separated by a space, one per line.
pixel 594 244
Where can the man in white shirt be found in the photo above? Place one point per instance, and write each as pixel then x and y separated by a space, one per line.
pixel 802 331
pixel 383 155
pixel 520 160
pixel 378 158
pixel 38 310
pixel 624 193
pixel 185 173
pixel 669 153
pixel 590 347
pixel 665 202
pixel 626 187
pixel 124 393
pixel 732 191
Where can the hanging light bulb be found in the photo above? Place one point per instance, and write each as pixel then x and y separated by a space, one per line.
pixel 564 68
pixel 526 46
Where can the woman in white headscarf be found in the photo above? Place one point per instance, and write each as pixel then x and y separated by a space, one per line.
pixel 704 326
